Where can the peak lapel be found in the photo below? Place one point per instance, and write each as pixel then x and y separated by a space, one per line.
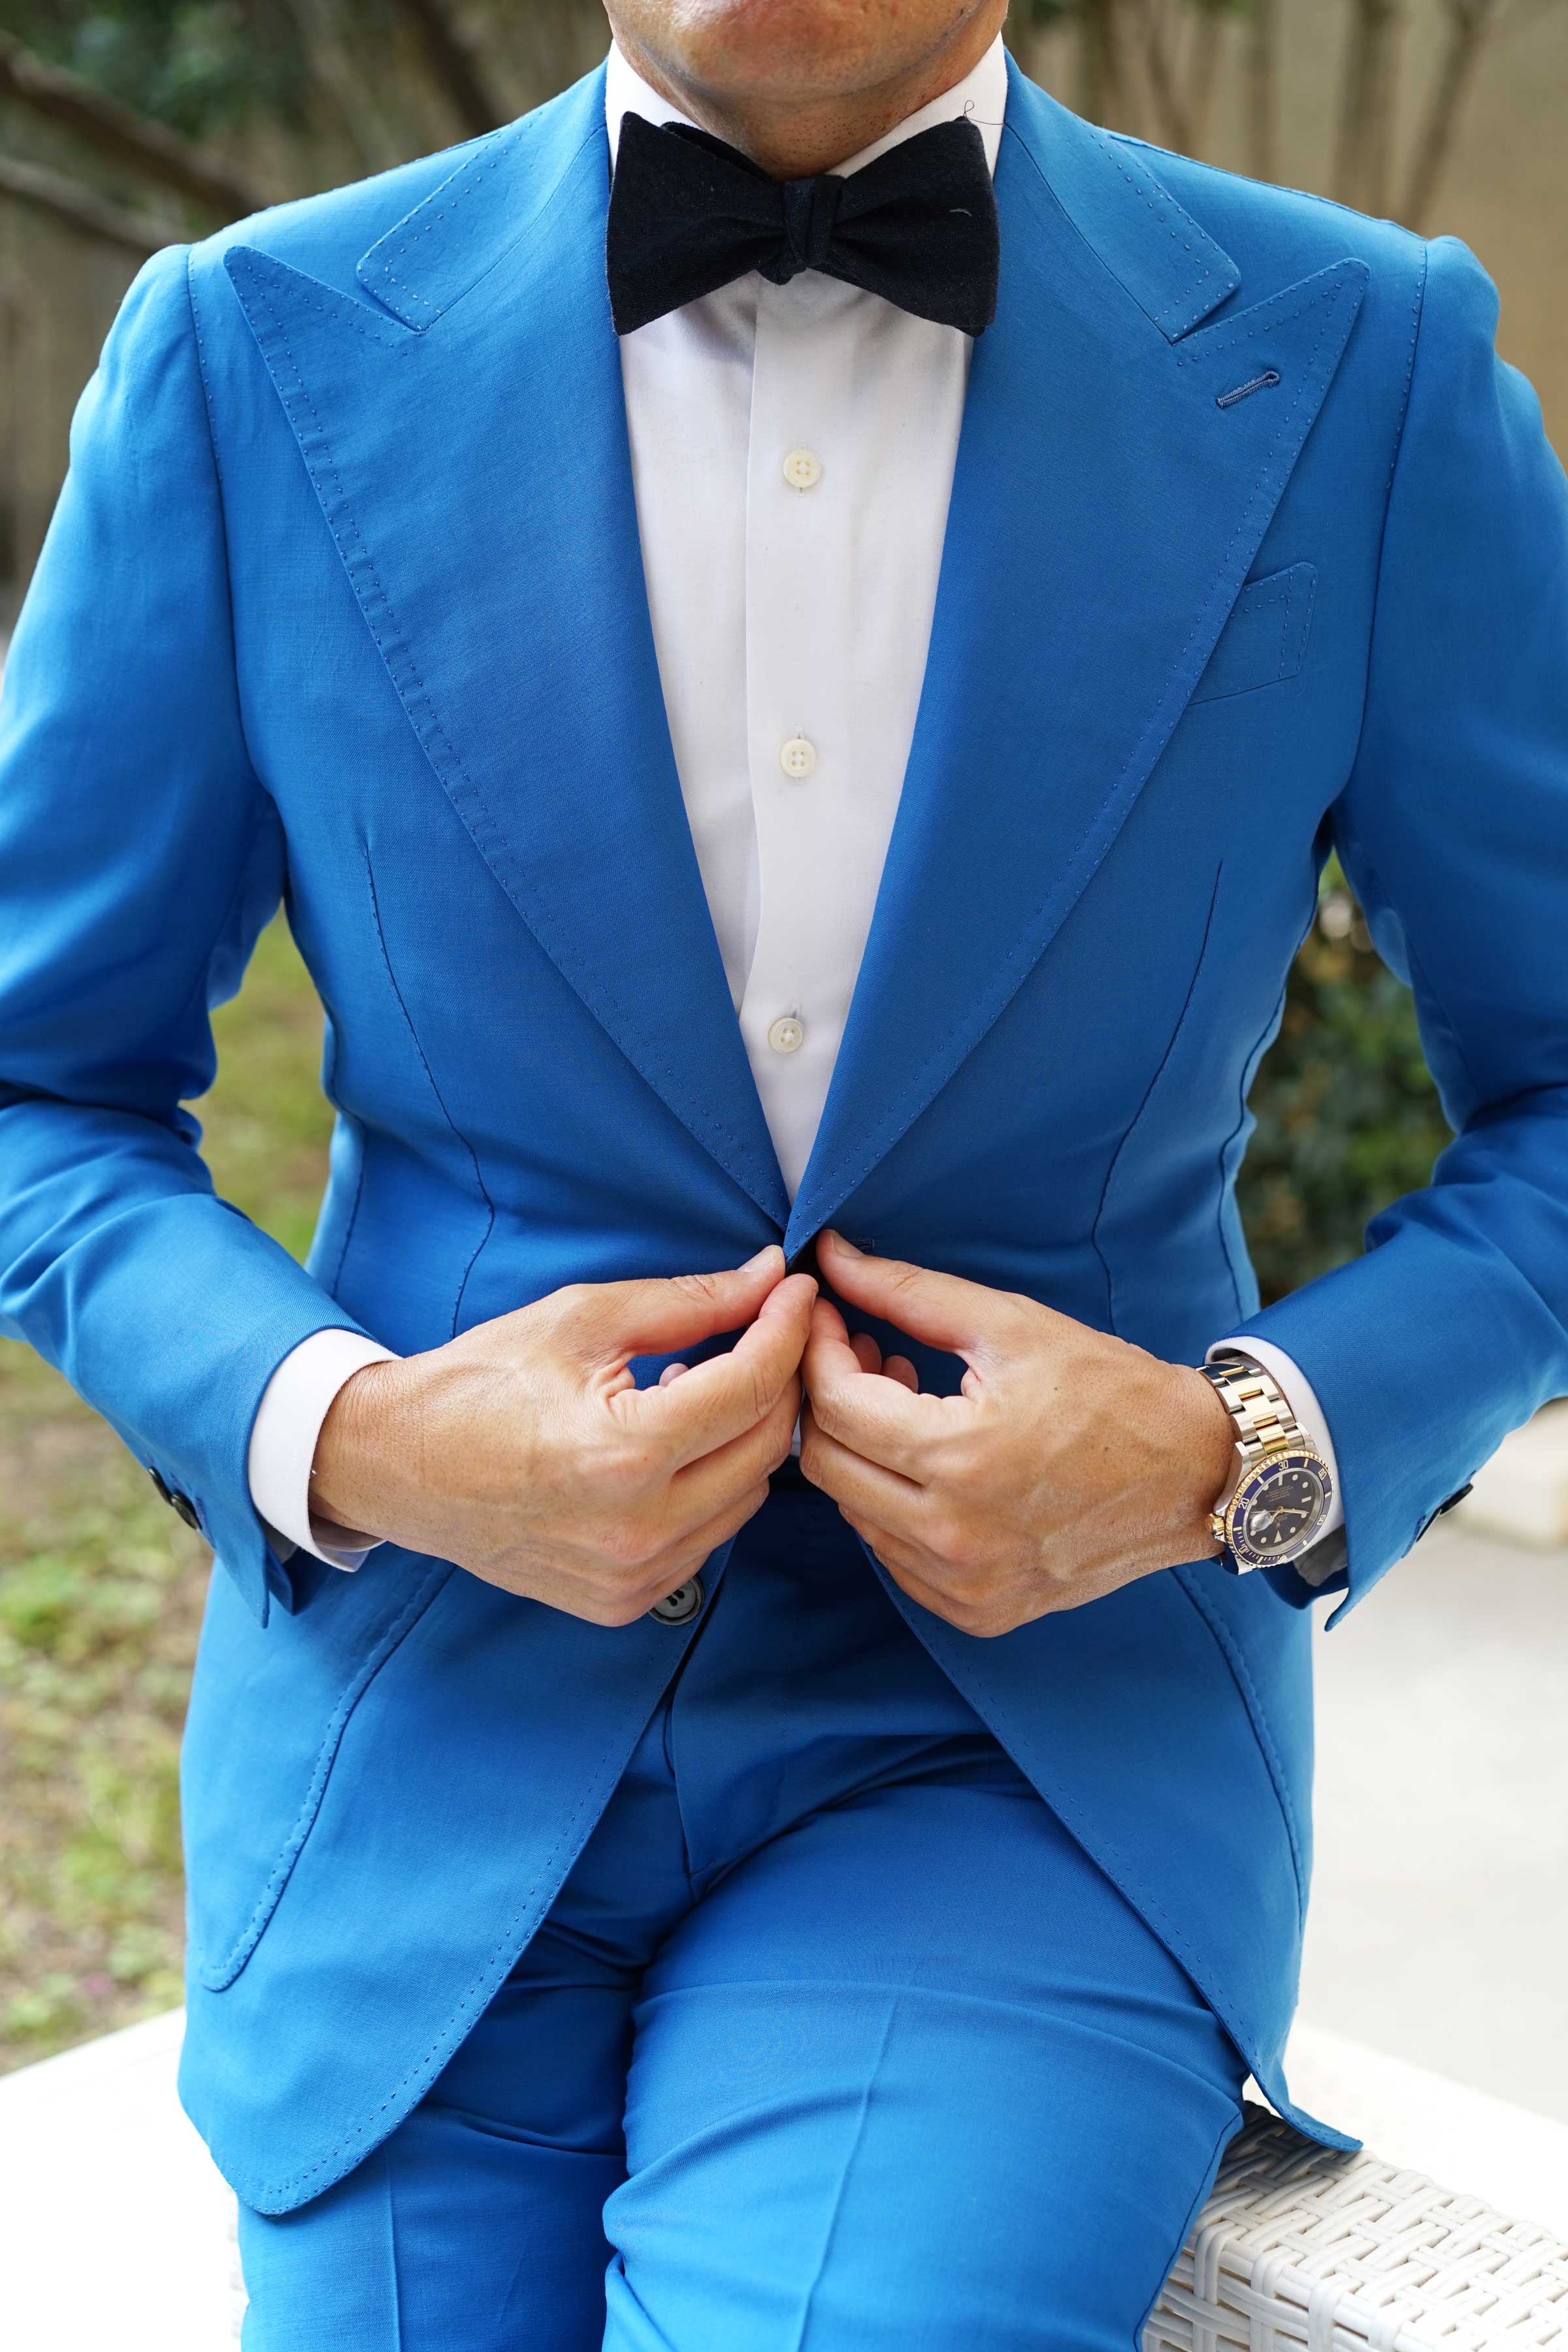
pixel 1105 512
pixel 466 440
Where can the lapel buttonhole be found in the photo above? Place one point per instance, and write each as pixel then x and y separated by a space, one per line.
pixel 1263 383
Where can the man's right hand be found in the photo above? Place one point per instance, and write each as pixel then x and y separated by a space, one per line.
pixel 524 1451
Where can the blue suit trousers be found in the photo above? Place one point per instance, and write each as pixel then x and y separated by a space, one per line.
pixel 834 2040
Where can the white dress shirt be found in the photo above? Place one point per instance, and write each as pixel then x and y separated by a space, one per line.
pixel 793 451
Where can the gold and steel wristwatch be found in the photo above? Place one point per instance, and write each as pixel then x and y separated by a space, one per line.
pixel 1276 1510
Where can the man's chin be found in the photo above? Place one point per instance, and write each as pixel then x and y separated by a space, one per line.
pixel 789 53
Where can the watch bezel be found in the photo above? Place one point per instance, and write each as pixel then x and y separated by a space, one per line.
pixel 1250 1486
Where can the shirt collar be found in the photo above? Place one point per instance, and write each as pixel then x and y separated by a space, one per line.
pixel 981 96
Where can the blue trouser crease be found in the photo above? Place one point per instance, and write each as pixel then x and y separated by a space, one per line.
pixel 834 2039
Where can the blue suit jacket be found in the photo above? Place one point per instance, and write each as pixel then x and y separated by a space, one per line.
pixel 343 602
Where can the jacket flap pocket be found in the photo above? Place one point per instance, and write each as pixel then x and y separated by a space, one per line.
pixel 1265 640
pixel 268 1710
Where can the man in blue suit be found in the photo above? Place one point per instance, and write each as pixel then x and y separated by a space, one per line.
pixel 793 631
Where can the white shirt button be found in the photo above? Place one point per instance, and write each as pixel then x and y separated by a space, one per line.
pixel 797 758
pixel 803 469
pixel 788 1034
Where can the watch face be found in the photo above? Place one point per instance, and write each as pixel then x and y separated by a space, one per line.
pixel 1278 1509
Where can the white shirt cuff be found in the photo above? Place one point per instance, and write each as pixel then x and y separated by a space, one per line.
pixel 1297 1393
pixel 283 1445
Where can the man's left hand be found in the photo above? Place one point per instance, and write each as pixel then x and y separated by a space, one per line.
pixel 1070 1463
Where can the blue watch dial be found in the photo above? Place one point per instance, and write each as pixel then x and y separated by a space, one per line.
pixel 1278 1509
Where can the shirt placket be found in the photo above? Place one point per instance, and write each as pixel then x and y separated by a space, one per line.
pixel 800 731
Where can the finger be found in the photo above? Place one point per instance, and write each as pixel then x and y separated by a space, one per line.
pixel 831 1355
pixel 706 1486
pixel 878 1418
pixel 865 1488
pixel 608 1321
pixel 602 1594
pixel 907 1574
pixel 686 1557
pixel 717 1400
pixel 899 1368
pixel 867 1355
pixel 940 1308
pixel 913 1571
pixel 672 1372
pixel 826 1318
pixel 901 1558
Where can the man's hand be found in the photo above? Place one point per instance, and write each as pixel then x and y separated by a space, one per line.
pixel 1071 1463
pixel 524 1451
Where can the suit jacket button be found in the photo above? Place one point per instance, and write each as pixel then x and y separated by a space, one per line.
pixel 679 1607
pixel 180 1505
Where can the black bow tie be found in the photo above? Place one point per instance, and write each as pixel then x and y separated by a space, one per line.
pixel 688 213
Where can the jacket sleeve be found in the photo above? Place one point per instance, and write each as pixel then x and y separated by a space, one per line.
pixel 139 858
pixel 1453 1327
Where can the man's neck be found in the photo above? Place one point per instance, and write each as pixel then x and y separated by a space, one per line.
pixel 793 137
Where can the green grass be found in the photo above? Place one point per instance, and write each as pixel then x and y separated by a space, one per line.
pixel 100 1599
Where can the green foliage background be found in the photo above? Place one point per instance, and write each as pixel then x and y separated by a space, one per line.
pixel 203 66
pixel 1348 1117
pixel 101 1598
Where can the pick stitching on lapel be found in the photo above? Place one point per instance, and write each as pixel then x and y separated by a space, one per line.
pixel 467 441
pixel 1105 513
pixel 1090 434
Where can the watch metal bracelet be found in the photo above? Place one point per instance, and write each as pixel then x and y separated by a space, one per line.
pixel 1263 1421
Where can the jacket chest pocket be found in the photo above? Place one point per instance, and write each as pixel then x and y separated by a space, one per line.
pixel 1265 640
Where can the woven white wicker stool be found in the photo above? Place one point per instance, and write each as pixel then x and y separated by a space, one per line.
pixel 119 2231
pixel 1301 2246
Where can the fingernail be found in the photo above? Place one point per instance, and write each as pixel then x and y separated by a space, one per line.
pixel 753 1263
pixel 839 1242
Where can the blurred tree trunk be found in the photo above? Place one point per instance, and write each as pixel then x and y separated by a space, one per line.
pixel 1263 90
pixel 1202 72
pixel 68 200
pixel 1165 83
pixel 347 88
pixel 1471 22
pixel 551 42
pixel 121 136
pixel 58 292
pixel 13 388
pixel 1101 77
pixel 460 68
pixel 1180 48
pixel 1367 104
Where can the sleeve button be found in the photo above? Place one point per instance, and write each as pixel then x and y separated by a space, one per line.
pixel 180 1505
